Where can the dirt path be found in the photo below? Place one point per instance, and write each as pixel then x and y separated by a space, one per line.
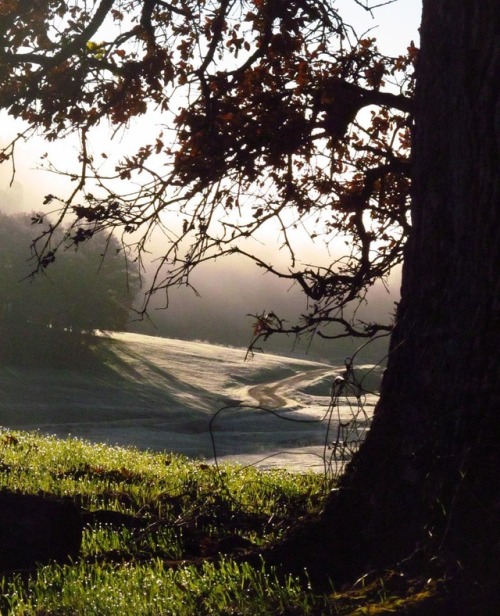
pixel 279 393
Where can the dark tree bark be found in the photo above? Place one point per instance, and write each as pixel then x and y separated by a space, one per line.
pixel 428 474
pixel 427 478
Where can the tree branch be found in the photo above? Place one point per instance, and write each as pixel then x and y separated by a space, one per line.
pixel 67 50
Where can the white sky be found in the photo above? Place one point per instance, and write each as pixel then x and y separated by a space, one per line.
pixel 394 25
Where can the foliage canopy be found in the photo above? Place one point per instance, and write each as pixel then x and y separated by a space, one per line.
pixel 271 114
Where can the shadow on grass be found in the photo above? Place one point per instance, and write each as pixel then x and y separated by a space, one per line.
pixel 32 346
pixel 94 385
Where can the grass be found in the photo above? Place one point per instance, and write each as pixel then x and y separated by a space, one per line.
pixel 152 589
pixel 162 534
pixel 173 510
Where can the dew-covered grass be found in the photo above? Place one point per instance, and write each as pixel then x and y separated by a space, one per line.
pixel 176 519
pixel 164 535
pixel 138 589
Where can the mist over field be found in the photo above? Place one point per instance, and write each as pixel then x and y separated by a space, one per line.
pixel 159 386
pixel 162 394
pixel 225 296
pixel 230 292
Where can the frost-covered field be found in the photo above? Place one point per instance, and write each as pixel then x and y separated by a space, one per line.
pixel 162 394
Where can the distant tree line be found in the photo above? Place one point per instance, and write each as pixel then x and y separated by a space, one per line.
pixel 89 287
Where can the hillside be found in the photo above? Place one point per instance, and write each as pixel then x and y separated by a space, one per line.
pixel 160 394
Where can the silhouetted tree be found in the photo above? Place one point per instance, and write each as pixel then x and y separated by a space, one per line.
pixel 285 115
pixel 286 119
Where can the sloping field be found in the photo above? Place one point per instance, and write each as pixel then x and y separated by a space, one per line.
pixel 162 394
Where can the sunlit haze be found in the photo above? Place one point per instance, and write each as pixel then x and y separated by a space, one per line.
pixel 230 288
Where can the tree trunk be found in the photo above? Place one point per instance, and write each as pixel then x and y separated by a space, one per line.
pixel 428 474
